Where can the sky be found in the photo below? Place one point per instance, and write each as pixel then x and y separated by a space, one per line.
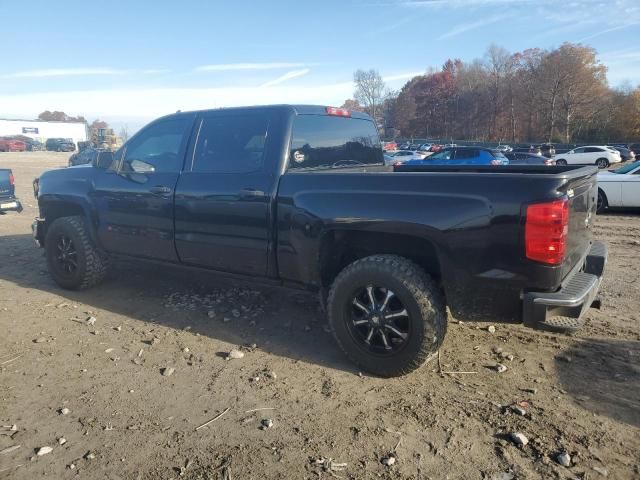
pixel 128 62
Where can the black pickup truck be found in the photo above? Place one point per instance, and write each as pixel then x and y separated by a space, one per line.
pixel 298 196
pixel 8 200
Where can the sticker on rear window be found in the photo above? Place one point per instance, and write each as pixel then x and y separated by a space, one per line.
pixel 298 156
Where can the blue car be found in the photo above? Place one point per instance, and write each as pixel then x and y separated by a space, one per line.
pixel 463 156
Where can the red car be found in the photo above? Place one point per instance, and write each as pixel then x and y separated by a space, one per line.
pixel 12 145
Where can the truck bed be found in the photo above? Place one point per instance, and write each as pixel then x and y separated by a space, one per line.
pixel 471 218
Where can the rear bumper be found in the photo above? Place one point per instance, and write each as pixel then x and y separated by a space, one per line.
pixel 564 309
pixel 10 205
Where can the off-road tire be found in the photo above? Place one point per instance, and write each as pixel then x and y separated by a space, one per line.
pixel 93 264
pixel 419 295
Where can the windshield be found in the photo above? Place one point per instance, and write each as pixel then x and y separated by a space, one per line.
pixel 628 168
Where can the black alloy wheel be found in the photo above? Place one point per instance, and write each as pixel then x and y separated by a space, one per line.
pixel 379 320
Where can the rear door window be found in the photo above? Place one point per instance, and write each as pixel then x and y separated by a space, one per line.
pixel 231 143
pixel 466 154
pixel 323 141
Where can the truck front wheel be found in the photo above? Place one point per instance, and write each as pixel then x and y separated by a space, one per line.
pixel 386 314
pixel 73 260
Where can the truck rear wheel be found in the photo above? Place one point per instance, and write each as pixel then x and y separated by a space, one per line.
pixel 73 260
pixel 386 314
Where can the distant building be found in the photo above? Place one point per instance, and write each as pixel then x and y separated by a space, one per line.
pixel 41 131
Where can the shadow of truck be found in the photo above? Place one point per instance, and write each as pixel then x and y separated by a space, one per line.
pixel 604 377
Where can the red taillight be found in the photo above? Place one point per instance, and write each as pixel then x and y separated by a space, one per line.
pixel 338 112
pixel 549 161
pixel 545 231
pixel 11 179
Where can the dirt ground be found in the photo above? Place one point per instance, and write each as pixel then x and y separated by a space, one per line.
pixel 127 420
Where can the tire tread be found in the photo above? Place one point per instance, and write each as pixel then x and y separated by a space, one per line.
pixel 96 262
pixel 428 296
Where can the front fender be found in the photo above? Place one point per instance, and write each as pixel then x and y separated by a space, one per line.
pixel 64 193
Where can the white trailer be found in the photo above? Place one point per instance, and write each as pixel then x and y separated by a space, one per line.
pixel 41 130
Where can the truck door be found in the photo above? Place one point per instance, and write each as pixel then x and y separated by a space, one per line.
pixel 223 198
pixel 134 200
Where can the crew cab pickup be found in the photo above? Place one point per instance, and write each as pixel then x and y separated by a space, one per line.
pixel 8 200
pixel 299 196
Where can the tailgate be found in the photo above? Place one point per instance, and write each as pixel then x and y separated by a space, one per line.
pixel 6 189
pixel 582 191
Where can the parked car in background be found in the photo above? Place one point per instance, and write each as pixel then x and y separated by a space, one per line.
pixel 60 145
pixel 8 200
pixel 625 153
pixel 425 147
pixel 8 144
pixel 31 145
pixel 535 150
pixel 547 149
pixel 463 156
pixel 87 156
pixel 619 188
pixel 635 147
pixel 525 158
pixel 589 155
pixel 504 148
pixel 389 146
pixel 435 148
pixel 390 158
pixel 450 145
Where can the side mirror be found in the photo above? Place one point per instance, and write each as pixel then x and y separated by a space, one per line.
pixel 571 151
pixel 138 166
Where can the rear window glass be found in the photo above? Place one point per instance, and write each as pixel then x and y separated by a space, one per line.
pixel 326 141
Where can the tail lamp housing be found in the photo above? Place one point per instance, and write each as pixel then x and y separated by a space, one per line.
pixel 546 231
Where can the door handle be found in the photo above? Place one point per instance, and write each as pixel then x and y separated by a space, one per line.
pixel 160 190
pixel 251 193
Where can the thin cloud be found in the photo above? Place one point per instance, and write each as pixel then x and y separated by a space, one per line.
pixel 80 72
pixel 63 72
pixel 231 67
pixel 608 30
pixel 287 76
pixel 391 26
pixel 402 76
pixel 466 27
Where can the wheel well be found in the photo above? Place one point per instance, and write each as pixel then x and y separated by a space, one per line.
pixel 55 210
pixel 343 247
pixel 604 194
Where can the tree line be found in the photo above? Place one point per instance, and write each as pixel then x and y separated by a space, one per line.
pixel 559 95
